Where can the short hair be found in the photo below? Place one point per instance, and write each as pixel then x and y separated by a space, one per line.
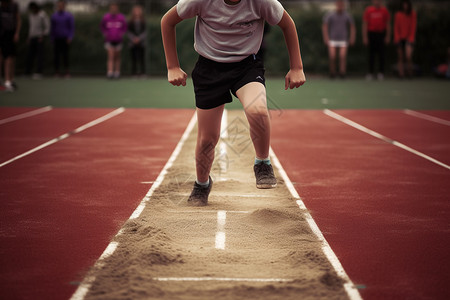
pixel 33 6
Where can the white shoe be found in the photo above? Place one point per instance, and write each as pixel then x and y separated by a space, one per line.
pixel 9 87
pixel 380 76
pixel 369 77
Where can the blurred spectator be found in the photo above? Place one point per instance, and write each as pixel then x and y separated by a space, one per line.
pixel 338 32
pixel 376 30
pixel 404 37
pixel 443 70
pixel 62 32
pixel 39 29
pixel 114 26
pixel 137 34
pixel 10 24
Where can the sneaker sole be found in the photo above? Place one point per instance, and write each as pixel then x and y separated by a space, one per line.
pixel 266 186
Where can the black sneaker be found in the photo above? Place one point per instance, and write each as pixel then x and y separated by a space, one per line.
pixel 264 176
pixel 199 194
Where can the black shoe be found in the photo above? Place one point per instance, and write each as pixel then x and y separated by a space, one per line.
pixel 264 176
pixel 199 194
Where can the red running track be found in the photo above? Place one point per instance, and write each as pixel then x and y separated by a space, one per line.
pixel 6 112
pixel 22 135
pixel 384 211
pixel 61 205
pixel 428 137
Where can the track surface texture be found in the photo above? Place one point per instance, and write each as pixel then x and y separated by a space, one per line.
pixel 62 204
pixel 267 238
pixel 384 210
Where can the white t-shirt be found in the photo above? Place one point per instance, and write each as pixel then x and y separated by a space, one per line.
pixel 229 33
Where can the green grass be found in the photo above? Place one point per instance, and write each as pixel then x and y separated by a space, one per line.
pixel 158 93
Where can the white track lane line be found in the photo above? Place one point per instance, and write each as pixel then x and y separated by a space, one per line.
pixel 222 279
pixel 87 282
pixel 426 117
pixel 223 160
pixel 26 115
pixel 349 287
pixel 220 234
pixel 382 137
pixel 66 135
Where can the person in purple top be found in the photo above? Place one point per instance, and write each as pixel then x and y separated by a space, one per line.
pixel 114 26
pixel 62 32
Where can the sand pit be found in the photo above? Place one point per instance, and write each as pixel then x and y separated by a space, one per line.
pixel 169 251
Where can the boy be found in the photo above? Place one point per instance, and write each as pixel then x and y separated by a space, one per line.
pixel 228 35
pixel 376 30
pixel 62 32
pixel 336 36
pixel 10 23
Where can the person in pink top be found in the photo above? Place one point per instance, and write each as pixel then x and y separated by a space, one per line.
pixel 404 37
pixel 114 26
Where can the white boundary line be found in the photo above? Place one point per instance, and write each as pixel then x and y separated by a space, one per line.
pixel 163 173
pixel 26 115
pixel 222 146
pixel 222 279
pixel 353 124
pixel 220 234
pixel 87 282
pixel 349 287
pixel 66 135
pixel 426 117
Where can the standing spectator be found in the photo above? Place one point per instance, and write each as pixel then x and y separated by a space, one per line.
pixel 39 29
pixel 404 37
pixel 376 30
pixel 338 32
pixel 62 31
pixel 114 26
pixel 137 33
pixel 10 24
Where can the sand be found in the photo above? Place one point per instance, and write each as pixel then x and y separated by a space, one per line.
pixel 267 237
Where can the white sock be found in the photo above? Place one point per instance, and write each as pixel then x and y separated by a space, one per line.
pixel 203 184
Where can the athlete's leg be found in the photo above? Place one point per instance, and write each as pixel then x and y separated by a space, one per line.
pixel 332 58
pixel 9 69
pixel 253 99
pixel 117 60
pixel 343 60
pixel 110 64
pixel 400 66
pixel 408 55
pixel 208 135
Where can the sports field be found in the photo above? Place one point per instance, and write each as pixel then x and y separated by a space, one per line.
pixel 95 175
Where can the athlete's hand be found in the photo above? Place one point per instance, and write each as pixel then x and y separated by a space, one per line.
pixel 294 79
pixel 177 76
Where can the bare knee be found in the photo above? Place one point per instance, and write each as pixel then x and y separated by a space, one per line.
pixel 207 141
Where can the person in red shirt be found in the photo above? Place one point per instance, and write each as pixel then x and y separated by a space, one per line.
pixel 376 30
pixel 405 22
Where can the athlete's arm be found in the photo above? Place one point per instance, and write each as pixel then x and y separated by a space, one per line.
pixel 325 36
pixel 175 74
pixel 18 26
pixel 295 77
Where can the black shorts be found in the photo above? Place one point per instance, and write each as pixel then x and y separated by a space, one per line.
pixel 7 44
pixel 213 81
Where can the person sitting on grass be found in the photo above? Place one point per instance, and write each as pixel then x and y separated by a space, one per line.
pixel 228 34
